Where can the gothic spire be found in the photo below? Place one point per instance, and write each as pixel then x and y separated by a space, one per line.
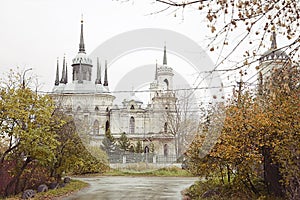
pixel 273 40
pixel 81 44
pixel 98 79
pixel 63 74
pixel 100 73
pixel 105 75
pixel 165 55
pixel 66 74
pixel 57 73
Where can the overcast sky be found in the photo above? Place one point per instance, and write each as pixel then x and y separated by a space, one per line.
pixel 34 33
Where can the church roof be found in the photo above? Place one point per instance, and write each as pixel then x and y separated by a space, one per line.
pixel 273 53
pixel 83 58
pixel 85 88
pixel 133 97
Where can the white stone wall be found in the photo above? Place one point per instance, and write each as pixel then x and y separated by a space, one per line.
pixel 87 104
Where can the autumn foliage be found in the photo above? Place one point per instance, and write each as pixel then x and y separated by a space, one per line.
pixel 260 141
pixel 38 144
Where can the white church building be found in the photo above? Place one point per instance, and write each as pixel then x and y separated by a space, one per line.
pixel 91 103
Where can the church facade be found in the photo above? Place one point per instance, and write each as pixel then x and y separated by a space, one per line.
pixel 91 104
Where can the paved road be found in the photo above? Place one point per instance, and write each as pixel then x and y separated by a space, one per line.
pixel 141 188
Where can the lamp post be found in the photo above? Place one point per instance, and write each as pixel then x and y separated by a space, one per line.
pixel 23 77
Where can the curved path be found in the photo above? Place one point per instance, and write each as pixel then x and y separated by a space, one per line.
pixel 116 187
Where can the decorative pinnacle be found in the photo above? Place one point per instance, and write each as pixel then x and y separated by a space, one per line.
pixel 98 79
pixel 63 74
pixel 273 40
pixel 57 73
pixel 165 55
pixel 66 75
pixel 105 83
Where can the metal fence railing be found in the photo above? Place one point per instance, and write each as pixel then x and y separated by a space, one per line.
pixel 129 157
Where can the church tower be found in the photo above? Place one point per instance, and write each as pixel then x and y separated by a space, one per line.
pixel 163 81
pixel 82 65
pixel 89 102
pixel 163 99
pixel 165 74
pixel 162 86
pixel 271 62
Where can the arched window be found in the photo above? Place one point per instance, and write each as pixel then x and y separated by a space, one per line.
pixel 146 149
pixel 167 83
pixel 96 127
pixel 131 125
pixel 96 108
pixel 166 150
pixel 132 107
pixel 107 109
pixel 166 128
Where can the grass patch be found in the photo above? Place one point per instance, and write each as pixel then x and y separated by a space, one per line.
pixel 165 172
pixel 73 186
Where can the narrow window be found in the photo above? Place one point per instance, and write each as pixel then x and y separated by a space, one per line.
pixel 96 127
pixel 146 149
pixel 166 128
pixel 107 126
pixel 167 83
pixel 131 125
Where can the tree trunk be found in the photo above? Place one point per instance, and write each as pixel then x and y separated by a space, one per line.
pixel 16 180
pixel 228 173
pixel 272 175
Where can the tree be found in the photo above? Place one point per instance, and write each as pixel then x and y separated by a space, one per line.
pixel 181 121
pixel 72 155
pixel 124 142
pixel 108 143
pixel 139 147
pixel 91 160
pixel 25 128
pixel 36 138
pixel 247 22
pixel 259 139
pixel 280 101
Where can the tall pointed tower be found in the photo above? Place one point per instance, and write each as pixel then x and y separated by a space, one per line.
pixel 163 82
pixel 271 60
pixel 89 102
pixel 162 93
pixel 165 74
pixel 82 65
